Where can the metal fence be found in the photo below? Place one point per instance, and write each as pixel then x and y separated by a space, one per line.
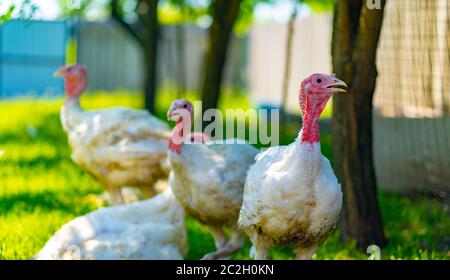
pixel 311 51
pixel 30 51
pixel 115 60
pixel 412 99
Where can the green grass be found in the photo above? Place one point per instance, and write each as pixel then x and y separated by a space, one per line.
pixel 41 189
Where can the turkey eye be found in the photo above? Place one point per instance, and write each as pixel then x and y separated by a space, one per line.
pixel 185 106
pixel 319 81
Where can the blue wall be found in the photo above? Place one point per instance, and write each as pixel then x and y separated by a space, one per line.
pixel 30 51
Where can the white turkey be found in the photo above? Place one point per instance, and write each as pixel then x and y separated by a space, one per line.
pixel 208 179
pixel 149 229
pixel 120 147
pixel 291 194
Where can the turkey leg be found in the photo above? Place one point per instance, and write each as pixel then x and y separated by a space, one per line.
pixel 305 253
pixel 259 251
pixel 220 239
pixel 235 243
pixel 116 196
pixel 147 192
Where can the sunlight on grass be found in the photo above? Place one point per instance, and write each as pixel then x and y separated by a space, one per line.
pixel 41 188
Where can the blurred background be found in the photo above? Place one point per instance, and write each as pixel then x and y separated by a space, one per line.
pixel 144 54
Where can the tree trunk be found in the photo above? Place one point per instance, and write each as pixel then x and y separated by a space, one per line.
pixel 356 31
pixel 224 16
pixel 145 32
pixel 288 57
pixel 151 54
pixel 180 52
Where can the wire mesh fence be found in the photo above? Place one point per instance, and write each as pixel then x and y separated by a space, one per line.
pixel 412 99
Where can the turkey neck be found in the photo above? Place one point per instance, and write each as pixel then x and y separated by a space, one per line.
pixel 75 86
pixel 178 131
pixel 309 151
pixel 178 136
pixel 310 129
pixel 71 113
pixel 72 103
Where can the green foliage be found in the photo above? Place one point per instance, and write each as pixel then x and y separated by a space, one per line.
pixel 169 11
pixel 7 15
pixel 320 6
pixel 181 11
pixel 71 8
pixel 41 188
pixel 246 13
pixel 25 10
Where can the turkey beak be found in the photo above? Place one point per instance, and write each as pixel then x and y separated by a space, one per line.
pixel 172 115
pixel 337 86
pixel 58 73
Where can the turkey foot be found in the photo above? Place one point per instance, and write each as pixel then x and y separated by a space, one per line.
pixel 235 243
pixel 305 253
pixel 258 251
pixel 116 196
pixel 220 239
pixel 147 192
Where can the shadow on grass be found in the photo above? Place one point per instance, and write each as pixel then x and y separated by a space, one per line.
pixel 46 201
pixel 46 162
pixel 47 129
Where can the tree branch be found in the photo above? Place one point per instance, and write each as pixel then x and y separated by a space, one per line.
pixel 132 29
pixel 366 46
pixel 371 21
pixel 288 57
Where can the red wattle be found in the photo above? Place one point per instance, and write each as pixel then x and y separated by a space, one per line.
pixel 310 136
pixel 174 147
pixel 176 132
pixel 74 86
pixel 310 133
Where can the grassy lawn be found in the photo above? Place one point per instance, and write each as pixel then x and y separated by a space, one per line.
pixel 41 189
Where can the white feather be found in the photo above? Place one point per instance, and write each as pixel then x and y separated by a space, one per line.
pixel 208 179
pixel 150 229
pixel 118 146
pixel 287 188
